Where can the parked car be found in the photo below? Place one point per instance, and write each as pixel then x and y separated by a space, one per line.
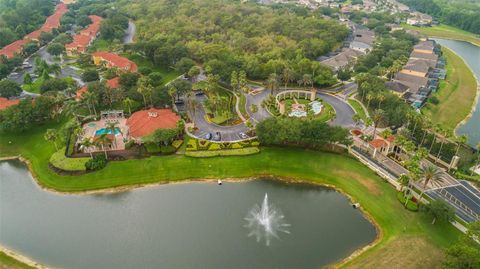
pixel 217 136
pixel 243 135
pixel 198 93
pixel 208 136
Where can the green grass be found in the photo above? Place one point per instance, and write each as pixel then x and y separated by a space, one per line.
pixel 168 74
pixel 358 109
pixel 445 31
pixel 376 196
pixel 242 106
pixel 10 263
pixel 34 87
pixel 59 160
pixel 456 93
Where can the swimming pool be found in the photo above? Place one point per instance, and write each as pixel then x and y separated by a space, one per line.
pixel 107 131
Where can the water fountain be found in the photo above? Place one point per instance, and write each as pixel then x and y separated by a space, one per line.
pixel 265 222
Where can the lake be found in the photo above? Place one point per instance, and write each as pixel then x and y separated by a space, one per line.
pixel 190 225
pixel 471 55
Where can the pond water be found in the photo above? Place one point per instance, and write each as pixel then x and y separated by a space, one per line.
pixel 471 55
pixel 191 225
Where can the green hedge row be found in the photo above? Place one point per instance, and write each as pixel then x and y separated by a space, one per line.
pixel 223 152
pixel 202 145
pixel 60 161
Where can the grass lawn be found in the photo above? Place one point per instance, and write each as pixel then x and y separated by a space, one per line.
pixel 456 93
pixel 242 106
pixel 167 73
pixel 403 231
pixel 7 262
pixel 445 31
pixel 358 109
pixel 34 87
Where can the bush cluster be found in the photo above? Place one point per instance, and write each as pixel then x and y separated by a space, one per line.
pixel 199 145
pixel 96 163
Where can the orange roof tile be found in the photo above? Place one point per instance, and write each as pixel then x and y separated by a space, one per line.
pixel 82 40
pixel 116 60
pixel 13 48
pixel 4 103
pixel 145 122
pixel 80 92
pixel 377 143
pixel 113 83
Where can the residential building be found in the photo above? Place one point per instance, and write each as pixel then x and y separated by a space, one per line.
pixel 111 60
pixel 84 39
pixel 5 103
pixel 343 59
pixel 145 122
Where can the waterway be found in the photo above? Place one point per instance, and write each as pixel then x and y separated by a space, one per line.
pixel 471 55
pixel 191 225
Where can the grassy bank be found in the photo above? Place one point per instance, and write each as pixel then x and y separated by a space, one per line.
pixel 358 109
pixel 445 31
pixel 456 93
pixel 7 262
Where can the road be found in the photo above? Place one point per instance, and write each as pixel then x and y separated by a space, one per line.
pixel 130 33
pixel 344 112
pixel 257 99
pixel 228 133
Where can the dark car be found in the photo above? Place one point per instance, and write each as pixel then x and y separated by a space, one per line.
pixel 208 136
pixel 217 136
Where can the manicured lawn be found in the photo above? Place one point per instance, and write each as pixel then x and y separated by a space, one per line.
pixel 456 93
pixel 34 87
pixel 7 262
pixel 242 105
pixel 358 109
pixel 376 196
pixel 448 32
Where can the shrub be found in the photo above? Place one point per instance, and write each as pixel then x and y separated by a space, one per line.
pixel 60 161
pixel 203 144
pixel 434 100
pixel 192 145
pixel 255 143
pixel 177 143
pixel 168 149
pixel 214 146
pixel 98 162
pixel 129 144
pixel 236 146
pixel 225 152
pixel 411 205
pixel 144 70
pixel 152 147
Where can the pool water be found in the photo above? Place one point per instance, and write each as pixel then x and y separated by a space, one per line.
pixel 107 131
pixel 92 125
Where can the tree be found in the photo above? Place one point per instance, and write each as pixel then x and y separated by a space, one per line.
pixel 51 135
pixel 465 253
pixel 184 65
pixel 90 75
pixel 27 79
pixel 55 49
pixel 112 127
pixel 103 141
pixel 86 144
pixel 130 80
pixel 155 79
pixel 430 173
pixel 145 89
pixel 287 76
pixel 164 136
pixel 439 210
pixel 306 79
pixel 194 72
pixel 128 103
pixel 377 117
pixel 54 84
pixel 272 83
pixel 9 88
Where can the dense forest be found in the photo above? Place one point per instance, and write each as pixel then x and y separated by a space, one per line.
pixel 462 14
pixel 226 36
pixel 20 17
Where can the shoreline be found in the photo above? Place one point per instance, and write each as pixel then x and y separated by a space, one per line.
pixel 120 189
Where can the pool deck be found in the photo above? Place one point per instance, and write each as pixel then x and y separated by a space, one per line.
pixel 90 128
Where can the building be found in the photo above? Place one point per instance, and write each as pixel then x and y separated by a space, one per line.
pixel 51 23
pixel 397 87
pixel 419 19
pixel 111 60
pixel 145 122
pixel 363 39
pixel 85 38
pixel 5 103
pixel 343 59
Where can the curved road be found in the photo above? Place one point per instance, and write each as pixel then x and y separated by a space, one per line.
pixel 344 115
pixel 130 33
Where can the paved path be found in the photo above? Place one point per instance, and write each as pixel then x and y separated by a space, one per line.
pixel 257 99
pixel 130 33
pixel 344 112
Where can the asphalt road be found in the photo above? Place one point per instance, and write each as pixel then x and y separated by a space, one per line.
pixel 128 38
pixel 344 112
pixel 227 133
pixel 257 99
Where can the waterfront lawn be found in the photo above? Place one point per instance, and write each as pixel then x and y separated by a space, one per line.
pixel 7 262
pixel 375 195
pixel 456 93
pixel 445 31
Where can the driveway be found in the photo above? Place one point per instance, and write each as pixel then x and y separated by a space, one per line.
pixel 344 112
pixel 228 133
pixel 257 99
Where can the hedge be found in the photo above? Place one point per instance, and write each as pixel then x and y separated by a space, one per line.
pixel 60 161
pixel 412 206
pixel 224 152
pixel 177 143
pixel 152 148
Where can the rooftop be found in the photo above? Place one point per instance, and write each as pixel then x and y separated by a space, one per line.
pixel 5 103
pixel 116 60
pixel 145 122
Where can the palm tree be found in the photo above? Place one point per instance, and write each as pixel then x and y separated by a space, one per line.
pixel 287 76
pixel 91 99
pixel 85 144
pixel 52 136
pixel 430 173
pixel 145 89
pixel 54 68
pixel 381 97
pixel 128 103
pixel 272 82
pixel 461 140
pixel 112 127
pixel 369 98
pixel 377 117
pixel 478 159
pixel 445 133
pixel 427 124
pixel 306 79
pixel 103 140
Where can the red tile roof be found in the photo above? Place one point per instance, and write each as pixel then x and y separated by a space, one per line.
pixel 391 138
pixel 377 143
pixel 113 83
pixel 51 22
pixel 80 92
pixel 145 122
pixel 117 61
pixel 81 41
pixel 4 103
